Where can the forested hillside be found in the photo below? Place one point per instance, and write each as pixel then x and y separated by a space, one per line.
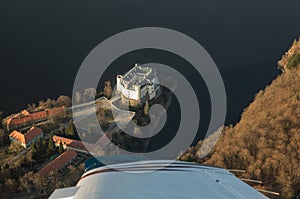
pixel 266 141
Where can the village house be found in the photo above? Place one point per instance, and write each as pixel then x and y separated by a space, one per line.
pixel 79 146
pixel 69 144
pixel 27 138
pixel 58 163
pixel 25 118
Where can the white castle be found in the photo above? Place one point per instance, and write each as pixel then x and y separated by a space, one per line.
pixel 138 85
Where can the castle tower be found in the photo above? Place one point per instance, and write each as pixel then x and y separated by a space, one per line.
pixel 119 78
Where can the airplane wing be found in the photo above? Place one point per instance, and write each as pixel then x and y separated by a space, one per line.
pixel 155 179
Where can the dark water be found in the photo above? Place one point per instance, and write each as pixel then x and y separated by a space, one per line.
pixel 43 43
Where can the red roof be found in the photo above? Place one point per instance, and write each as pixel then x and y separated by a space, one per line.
pixel 16 121
pixel 39 115
pixel 63 140
pixel 27 118
pixel 36 116
pixel 58 162
pixel 25 112
pixel 56 111
pixel 102 142
pixel 32 133
pixel 69 142
pixel 17 136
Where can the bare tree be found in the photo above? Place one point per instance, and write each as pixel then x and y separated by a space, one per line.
pixel 107 91
pixel 89 94
pixel 64 101
pixel 11 185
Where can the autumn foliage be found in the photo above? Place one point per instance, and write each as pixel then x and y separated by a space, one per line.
pixel 266 141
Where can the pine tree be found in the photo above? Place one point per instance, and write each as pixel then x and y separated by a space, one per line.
pixel 107 91
pixel 44 144
pixel 38 148
pixel 63 129
pixel 60 148
pixel 71 131
pixel 51 147
pixel 33 149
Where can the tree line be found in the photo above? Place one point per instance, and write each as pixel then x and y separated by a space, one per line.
pixel 266 141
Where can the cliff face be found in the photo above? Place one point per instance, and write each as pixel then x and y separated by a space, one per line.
pixel 291 58
pixel 266 141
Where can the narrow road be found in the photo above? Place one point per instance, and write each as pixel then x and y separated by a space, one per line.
pixel 23 152
pixel 18 156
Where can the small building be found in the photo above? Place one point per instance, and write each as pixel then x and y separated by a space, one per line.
pixel 25 118
pixel 80 146
pixel 69 144
pixel 138 85
pixel 27 138
pixel 22 121
pixel 58 163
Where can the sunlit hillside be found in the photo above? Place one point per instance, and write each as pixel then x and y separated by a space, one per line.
pixel 266 141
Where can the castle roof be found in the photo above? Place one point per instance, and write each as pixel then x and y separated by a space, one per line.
pixel 138 75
